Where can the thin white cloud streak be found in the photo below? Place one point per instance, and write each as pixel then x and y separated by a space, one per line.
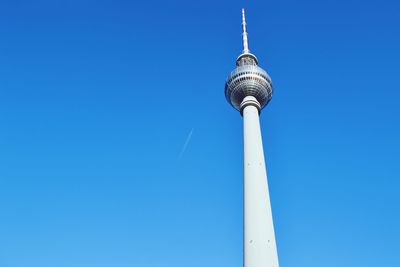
pixel 188 138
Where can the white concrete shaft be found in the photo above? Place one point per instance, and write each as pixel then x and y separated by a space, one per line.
pixel 259 237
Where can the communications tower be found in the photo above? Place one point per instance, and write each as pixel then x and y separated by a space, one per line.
pixel 249 89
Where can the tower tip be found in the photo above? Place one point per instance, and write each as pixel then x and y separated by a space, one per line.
pixel 245 42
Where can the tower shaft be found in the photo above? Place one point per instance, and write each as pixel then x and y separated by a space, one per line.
pixel 259 237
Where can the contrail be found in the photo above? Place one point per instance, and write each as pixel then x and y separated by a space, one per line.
pixel 186 144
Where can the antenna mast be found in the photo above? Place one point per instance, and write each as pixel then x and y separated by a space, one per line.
pixel 245 42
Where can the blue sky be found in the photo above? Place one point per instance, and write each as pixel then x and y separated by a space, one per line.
pixel 117 147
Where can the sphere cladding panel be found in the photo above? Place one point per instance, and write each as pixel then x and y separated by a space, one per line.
pixel 248 80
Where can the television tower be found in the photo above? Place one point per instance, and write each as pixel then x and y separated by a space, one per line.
pixel 249 89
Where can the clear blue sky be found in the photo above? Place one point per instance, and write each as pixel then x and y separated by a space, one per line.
pixel 99 98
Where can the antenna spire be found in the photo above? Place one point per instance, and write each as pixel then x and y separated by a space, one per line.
pixel 245 42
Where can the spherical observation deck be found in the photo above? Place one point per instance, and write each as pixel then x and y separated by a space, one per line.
pixel 248 80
